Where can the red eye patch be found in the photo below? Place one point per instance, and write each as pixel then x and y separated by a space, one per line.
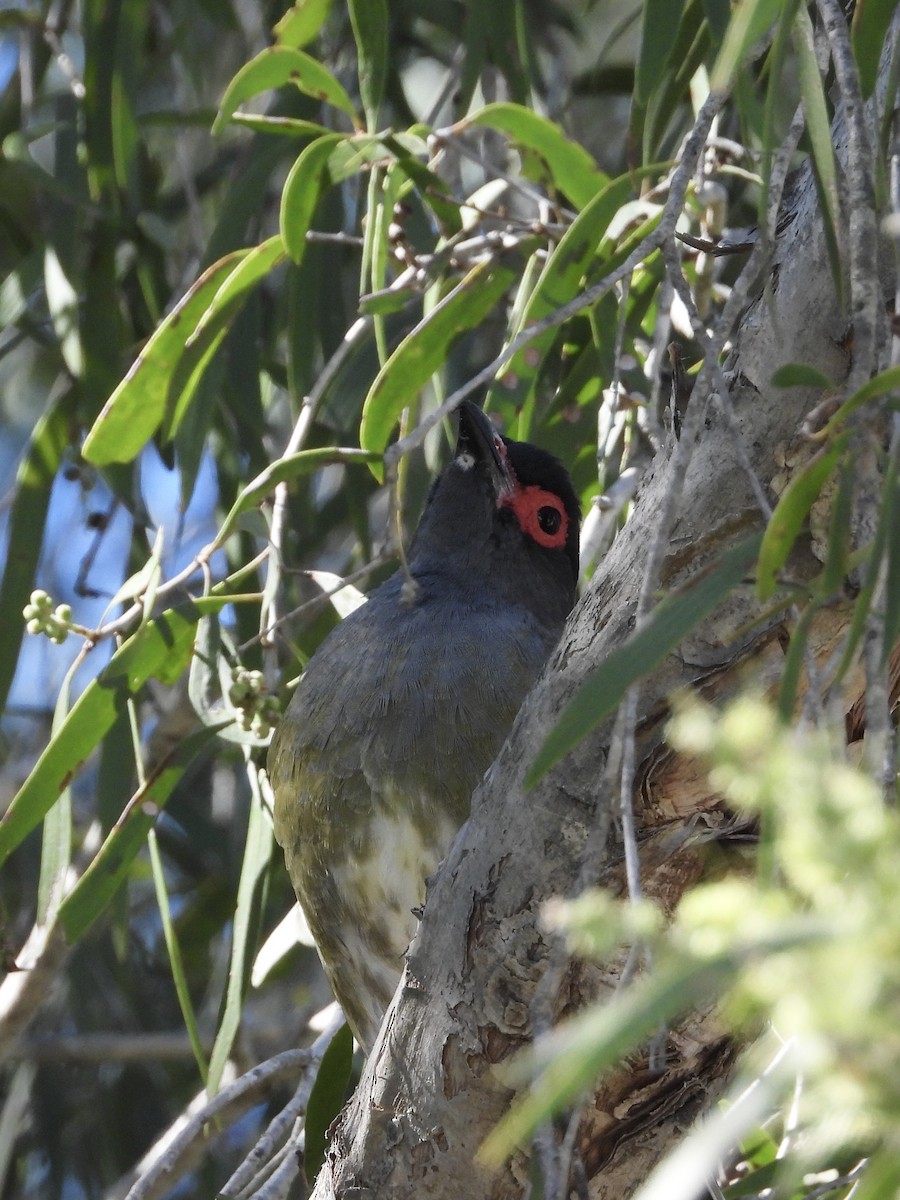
pixel 540 514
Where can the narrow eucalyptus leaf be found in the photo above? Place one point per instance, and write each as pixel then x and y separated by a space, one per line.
pixel 327 1098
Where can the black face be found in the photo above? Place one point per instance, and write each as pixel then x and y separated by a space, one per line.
pixel 504 514
pixel 545 501
pixel 529 484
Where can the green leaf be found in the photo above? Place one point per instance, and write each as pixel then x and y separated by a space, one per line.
pixel 352 154
pixel 759 1147
pixel 519 388
pixel 204 676
pixel 28 514
pixel 424 350
pixel 871 19
pixel 115 772
pixel 173 950
pixel 210 680
pixel 294 127
pixel 390 300
pixel 257 852
pixel 892 589
pixel 327 1098
pixel 771 125
pixel 718 14
pixel 62 302
pixel 303 188
pixel 273 68
pixel 111 865
pixel 23 279
pixel 202 343
pixel 343 597
pixel 801 375
pixel 880 385
pixel 749 21
pixel 790 513
pixel 840 534
pixel 572 170
pixel 283 470
pixel 301 23
pixel 475 44
pixel 691 39
pixel 147 654
pixel 164 378
pixel 148 600
pixel 137 407
pixel 369 19
pixel 669 623
pixel 659 19
pixel 818 127
pixel 794 659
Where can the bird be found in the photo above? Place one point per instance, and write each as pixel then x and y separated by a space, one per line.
pixel 406 703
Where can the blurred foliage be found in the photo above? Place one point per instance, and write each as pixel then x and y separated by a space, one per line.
pixel 241 246
pixel 807 946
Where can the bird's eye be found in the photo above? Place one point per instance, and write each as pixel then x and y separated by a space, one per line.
pixel 540 514
pixel 549 519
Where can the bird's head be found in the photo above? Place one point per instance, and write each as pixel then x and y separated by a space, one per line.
pixel 502 515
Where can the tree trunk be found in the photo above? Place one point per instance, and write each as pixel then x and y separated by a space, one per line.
pixel 431 1090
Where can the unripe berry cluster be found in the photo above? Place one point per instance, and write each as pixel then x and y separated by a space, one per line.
pixel 41 617
pixel 257 711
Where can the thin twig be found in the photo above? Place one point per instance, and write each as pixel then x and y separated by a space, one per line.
pixel 839 1182
pixel 101 528
pixel 105 1047
pixel 604 435
pixel 270 1163
pixel 167 1159
pixel 716 249
pixel 248 1174
pixel 862 226
pixel 302 426
pixel 279 1184
pixel 682 288
pixel 653 367
pixel 337 238
pixel 24 992
pixel 320 601
pixel 568 1149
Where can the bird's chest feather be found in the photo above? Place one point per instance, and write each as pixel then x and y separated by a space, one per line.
pixel 384 875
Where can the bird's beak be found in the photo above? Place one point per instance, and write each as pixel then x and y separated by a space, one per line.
pixel 480 440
